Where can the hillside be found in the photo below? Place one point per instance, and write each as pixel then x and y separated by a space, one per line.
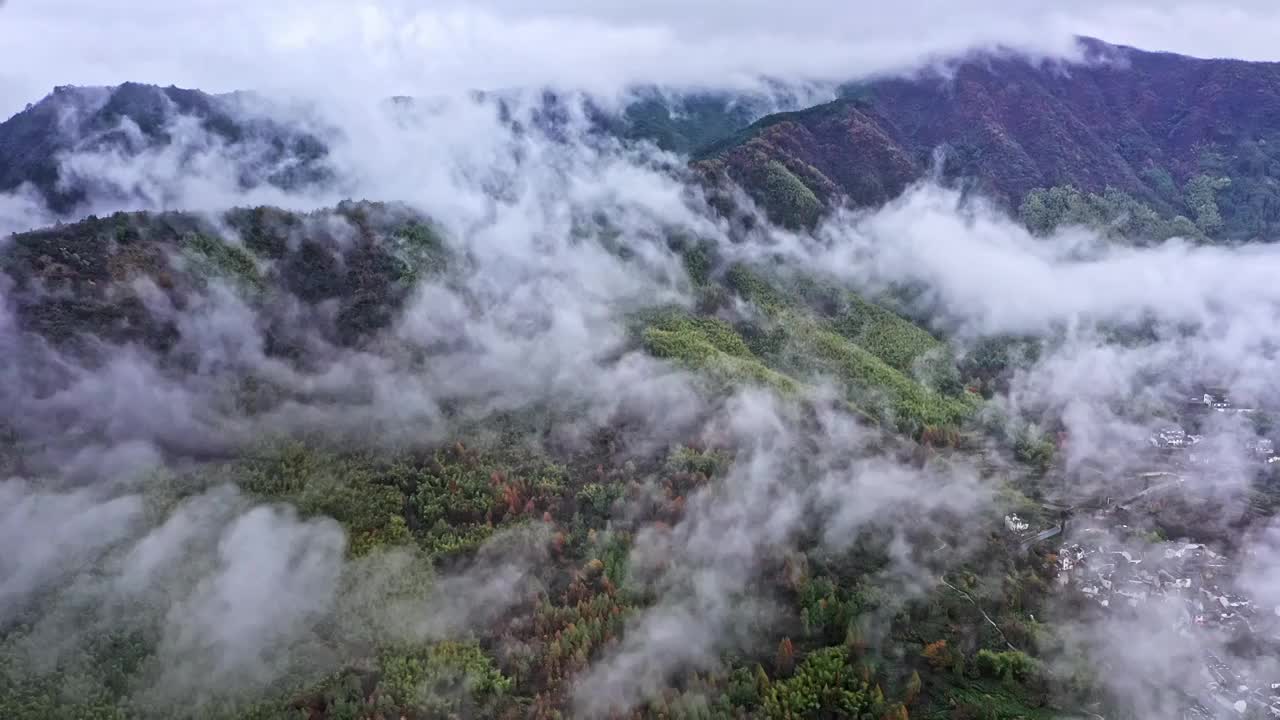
pixel 1163 134
pixel 347 464
pixel 570 430
pixel 1141 123
pixel 343 277
pixel 109 123
pixel 256 348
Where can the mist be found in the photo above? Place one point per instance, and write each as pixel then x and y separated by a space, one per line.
pixel 124 506
pixel 392 47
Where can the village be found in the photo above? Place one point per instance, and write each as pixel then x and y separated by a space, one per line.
pixel 1119 567
pixel 1116 571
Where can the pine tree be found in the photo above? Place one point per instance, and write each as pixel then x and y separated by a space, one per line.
pixel 854 639
pixel 762 680
pixel 785 663
pixel 913 688
pixel 897 712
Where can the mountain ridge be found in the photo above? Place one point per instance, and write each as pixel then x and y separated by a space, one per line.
pixel 552 439
pixel 132 118
pixel 1145 124
pixel 1139 122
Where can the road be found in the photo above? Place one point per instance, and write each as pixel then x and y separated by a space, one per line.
pixel 1040 537
pixel 1172 480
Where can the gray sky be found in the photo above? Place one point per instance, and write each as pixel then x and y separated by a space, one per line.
pixel 380 47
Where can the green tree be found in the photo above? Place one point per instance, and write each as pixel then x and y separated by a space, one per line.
pixel 785 661
pixel 825 685
pixel 1010 665
pixel 913 688
pixel 1202 198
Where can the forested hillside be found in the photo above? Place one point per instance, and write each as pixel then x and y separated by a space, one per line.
pixel 1179 135
pixel 1163 135
pixel 425 514
pixel 100 126
pixel 951 398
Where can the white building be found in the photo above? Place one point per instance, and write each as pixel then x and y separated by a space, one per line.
pixel 1016 524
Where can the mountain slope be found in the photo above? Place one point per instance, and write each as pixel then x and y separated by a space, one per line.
pixel 258 339
pixel 131 119
pixel 1146 124
pixel 575 453
pixel 1162 129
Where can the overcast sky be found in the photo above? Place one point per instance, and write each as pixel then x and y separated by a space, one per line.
pixel 382 47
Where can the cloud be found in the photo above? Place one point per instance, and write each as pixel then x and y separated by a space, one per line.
pixel 531 286
pixel 985 274
pixel 52 535
pixel 530 314
pixel 238 597
pixel 534 316
pixel 796 482
pixel 378 48
pixel 1124 334
pixel 21 210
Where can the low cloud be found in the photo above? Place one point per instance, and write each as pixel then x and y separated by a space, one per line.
pixel 387 47
pixel 558 240
pixel 796 482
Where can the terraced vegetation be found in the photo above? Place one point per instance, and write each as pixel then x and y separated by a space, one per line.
pixel 893 369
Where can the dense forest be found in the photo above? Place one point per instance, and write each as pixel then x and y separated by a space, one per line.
pixel 421 514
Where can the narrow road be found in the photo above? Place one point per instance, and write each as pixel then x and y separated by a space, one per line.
pixel 1173 480
pixel 1153 489
pixel 1040 537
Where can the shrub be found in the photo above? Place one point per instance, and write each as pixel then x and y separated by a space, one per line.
pixel 1010 665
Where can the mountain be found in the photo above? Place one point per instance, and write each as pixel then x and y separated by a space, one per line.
pixel 1142 123
pixel 1128 131
pixel 341 276
pixel 691 122
pixel 71 146
pixel 132 119
pixel 554 440
pixel 427 411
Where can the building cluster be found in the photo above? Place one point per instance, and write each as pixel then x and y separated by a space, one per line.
pixel 1189 577
pixel 1263 448
pixel 1173 438
pixel 1113 575
pixel 1185 584
pixel 1016 525
pixel 1217 401
pixel 1214 400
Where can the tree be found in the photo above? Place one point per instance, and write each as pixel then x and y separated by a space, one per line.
pixel 854 639
pixel 1034 449
pixel 937 654
pixel 913 688
pixel 896 712
pixel 1010 665
pixel 785 662
pixel 1202 198
pixel 762 680
pixel 825 685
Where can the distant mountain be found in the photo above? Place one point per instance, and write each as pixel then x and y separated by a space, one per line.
pixel 1153 144
pixel 51 146
pixel 585 450
pixel 693 122
pixel 1140 123
pixel 132 119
